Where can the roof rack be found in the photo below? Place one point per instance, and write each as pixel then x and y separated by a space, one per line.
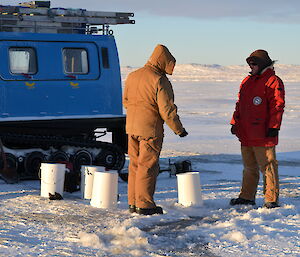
pixel 38 17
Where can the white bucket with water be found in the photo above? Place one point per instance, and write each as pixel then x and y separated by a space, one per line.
pixel 105 189
pixel 87 179
pixel 52 178
pixel 189 189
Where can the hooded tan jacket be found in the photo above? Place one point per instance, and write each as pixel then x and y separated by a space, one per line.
pixel 149 97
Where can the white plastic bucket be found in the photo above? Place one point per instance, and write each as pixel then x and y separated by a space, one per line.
pixel 52 178
pixel 105 189
pixel 189 189
pixel 87 179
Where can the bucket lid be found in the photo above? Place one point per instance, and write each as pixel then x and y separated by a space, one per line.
pixel 188 173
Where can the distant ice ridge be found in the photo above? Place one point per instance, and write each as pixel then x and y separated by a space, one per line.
pixel 217 73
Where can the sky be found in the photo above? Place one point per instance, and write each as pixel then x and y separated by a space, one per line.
pixel 201 31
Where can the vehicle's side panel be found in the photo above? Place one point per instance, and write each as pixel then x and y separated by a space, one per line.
pixel 54 90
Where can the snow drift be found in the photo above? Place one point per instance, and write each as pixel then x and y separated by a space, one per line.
pixel 217 73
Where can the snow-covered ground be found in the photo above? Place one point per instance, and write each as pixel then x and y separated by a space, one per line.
pixel 34 226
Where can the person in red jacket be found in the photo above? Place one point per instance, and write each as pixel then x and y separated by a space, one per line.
pixel 256 122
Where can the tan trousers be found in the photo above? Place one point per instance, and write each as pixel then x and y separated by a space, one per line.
pixel 264 159
pixel 143 170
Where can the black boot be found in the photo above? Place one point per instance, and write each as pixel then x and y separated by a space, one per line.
pixel 150 211
pixel 132 208
pixel 271 205
pixel 237 201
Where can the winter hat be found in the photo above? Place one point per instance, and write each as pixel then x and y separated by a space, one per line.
pixel 261 58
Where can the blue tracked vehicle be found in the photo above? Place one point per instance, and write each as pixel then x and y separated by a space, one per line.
pixel 59 84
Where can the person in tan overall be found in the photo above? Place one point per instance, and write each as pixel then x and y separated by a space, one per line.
pixel 256 122
pixel 149 101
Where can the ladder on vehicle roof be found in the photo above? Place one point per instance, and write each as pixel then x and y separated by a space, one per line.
pixel 39 18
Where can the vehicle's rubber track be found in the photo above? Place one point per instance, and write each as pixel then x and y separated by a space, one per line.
pixel 45 142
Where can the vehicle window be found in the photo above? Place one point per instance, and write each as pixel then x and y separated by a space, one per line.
pixel 105 60
pixel 75 61
pixel 22 60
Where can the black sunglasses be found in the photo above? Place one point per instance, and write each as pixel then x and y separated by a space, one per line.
pixel 252 64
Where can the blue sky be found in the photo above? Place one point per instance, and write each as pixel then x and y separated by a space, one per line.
pixel 200 31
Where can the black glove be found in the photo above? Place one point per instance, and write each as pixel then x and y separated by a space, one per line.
pixel 233 130
pixel 272 132
pixel 183 133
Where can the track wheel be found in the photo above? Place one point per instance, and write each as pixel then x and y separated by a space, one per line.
pixel 82 157
pixel 9 172
pixel 59 156
pixel 11 161
pixel 32 164
pixel 107 158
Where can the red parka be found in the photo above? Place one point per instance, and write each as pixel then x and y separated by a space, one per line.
pixel 259 107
